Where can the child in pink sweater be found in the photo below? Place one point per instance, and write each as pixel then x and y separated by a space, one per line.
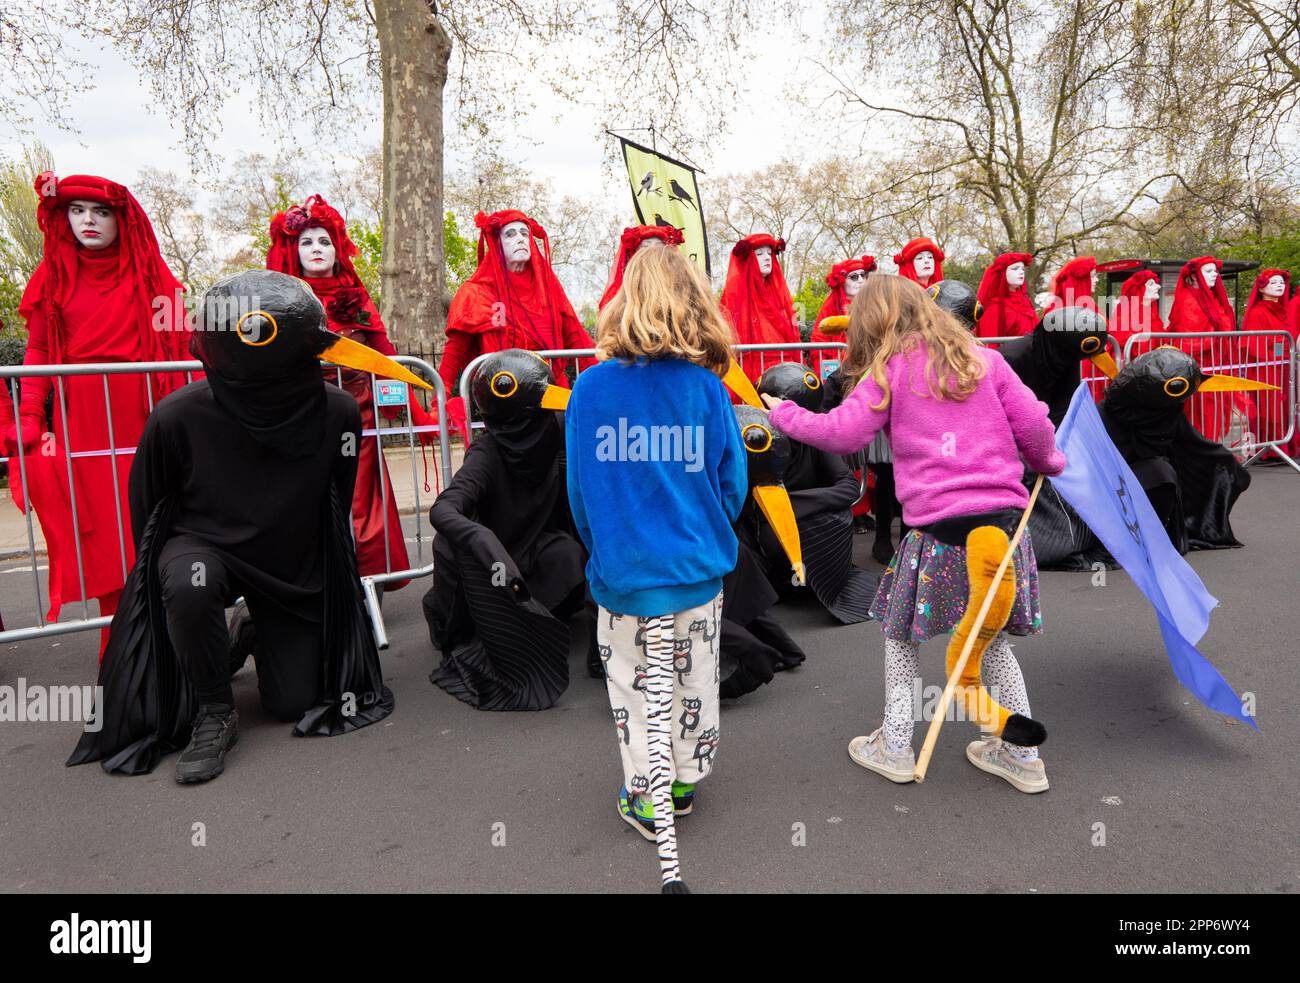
pixel 958 420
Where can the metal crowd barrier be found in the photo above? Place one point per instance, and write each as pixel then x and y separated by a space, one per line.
pixel 39 628
pixel 1251 423
pixel 1096 379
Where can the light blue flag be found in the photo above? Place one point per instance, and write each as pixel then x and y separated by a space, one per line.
pixel 1098 482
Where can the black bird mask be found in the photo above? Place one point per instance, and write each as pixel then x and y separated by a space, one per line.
pixel 1075 333
pixel 262 326
pixel 793 381
pixel 514 383
pixel 958 299
pixel 1166 378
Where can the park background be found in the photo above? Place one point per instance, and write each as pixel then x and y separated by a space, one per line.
pixel 1112 128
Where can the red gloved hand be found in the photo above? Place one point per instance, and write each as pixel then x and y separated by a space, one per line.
pixel 456 418
pixel 422 418
pixel 32 429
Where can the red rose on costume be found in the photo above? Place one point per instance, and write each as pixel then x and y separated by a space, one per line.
pixel 348 306
pixel 295 220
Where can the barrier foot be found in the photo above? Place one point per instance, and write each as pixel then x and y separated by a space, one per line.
pixel 376 613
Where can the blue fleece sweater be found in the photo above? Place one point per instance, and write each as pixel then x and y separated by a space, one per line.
pixel 657 475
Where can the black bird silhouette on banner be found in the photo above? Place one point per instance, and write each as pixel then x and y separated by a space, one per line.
pixel 680 194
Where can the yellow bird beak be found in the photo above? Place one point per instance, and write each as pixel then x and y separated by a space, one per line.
pixel 556 397
pixel 1231 384
pixel 834 324
pixel 354 355
pixel 739 383
pixel 774 503
pixel 1106 364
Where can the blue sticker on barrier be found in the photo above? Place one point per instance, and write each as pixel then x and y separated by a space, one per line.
pixel 390 393
pixel 829 365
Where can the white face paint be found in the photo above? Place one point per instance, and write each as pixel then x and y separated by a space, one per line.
pixel 1016 276
pixel 1276 287
pixel 763 254
pixel 316 253
pixel 923 264
pixel 1152 291
pixel 93 223
pixel 648 243
pixel 1210 273
pixel 516 245
pixel 853 283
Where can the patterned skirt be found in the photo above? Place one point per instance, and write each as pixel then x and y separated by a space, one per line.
pixel 924 590
pixel 879 451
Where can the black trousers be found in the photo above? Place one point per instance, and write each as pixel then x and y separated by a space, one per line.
pixel 197 587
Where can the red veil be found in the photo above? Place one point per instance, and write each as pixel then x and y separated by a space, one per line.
pixel 1072 285
pixel 1197 307
pixel 906 258
pixel 628 244
pixel 835 304
pixel 1134 315
pixel 131 275
pixel 496 309
pixel 1263 314
pixel 1265 356
pixel 759 308
pixel 1006 312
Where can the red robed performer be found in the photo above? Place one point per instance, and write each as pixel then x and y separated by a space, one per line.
pixel 1007 309
pixel 845 280
pixel 513 300
pixel 1138 311
pixel 1074 284
pixel 1266 356
pixel 311 241
pixel 634 238
pixel 917 268
pixel 102 293
pixel 757 301
pixel 1201 304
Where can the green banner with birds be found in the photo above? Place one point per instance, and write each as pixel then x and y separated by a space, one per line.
pixel 664 192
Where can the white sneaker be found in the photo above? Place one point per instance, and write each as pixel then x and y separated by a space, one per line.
pixel 990 754
pixel 871 753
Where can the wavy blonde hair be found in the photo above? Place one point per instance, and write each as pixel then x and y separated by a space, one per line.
pixel 664 309
pixel 892 315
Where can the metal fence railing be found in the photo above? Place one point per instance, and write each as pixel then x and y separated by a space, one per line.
pixel 62 471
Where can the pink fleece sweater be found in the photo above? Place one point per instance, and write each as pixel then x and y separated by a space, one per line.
pixel 951 457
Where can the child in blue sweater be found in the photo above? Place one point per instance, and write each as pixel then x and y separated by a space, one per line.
pixel 656 476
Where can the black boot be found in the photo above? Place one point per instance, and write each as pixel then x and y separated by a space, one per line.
pixel 216 728
pixel 242 637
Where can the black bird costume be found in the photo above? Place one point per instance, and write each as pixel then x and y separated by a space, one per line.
pixel 1047 361
pixel 822 491
pixel 242 484
pixel 508 567
pixel 1192 482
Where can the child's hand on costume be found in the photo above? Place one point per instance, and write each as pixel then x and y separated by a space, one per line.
pixel 771 401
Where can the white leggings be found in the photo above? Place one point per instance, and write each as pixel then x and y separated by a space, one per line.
pixel 999 672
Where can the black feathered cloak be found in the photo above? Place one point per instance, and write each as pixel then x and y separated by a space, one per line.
pixel 278 513
pixel 508 570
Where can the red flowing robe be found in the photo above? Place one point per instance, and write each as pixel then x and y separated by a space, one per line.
pixel 116 304
pixel 631 240
pixel 1134 314
pixel 350 312
pixel 497 308
pixel 1266 358
pixel 758 307
pixel 836 304
pixel 1006 312
pixel 1198 307
pixel 1072 285
pixel 906 259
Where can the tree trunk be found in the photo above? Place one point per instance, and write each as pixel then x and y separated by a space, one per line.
pixel 414 51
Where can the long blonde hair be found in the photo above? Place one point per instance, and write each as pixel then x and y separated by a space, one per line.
pixel 664 309
pixel 892 315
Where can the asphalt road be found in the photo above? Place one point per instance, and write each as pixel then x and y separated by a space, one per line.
pixel 1190 801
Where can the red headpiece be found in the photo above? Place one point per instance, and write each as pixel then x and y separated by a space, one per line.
pixel 837 302
pixel 1265 314
pixel 1197 306
pixel 759 307
pixel 133 270
pixel 1006 311
pixel 1072 285
pixel 314 213
pixel 907 257
pixel 1134 314
pixel 628 244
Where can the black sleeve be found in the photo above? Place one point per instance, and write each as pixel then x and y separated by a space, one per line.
pixel 155 472
pixel 344 472
pixel 837 488
pixel 451 513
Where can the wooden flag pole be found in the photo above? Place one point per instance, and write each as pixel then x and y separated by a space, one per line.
pixel 941 711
